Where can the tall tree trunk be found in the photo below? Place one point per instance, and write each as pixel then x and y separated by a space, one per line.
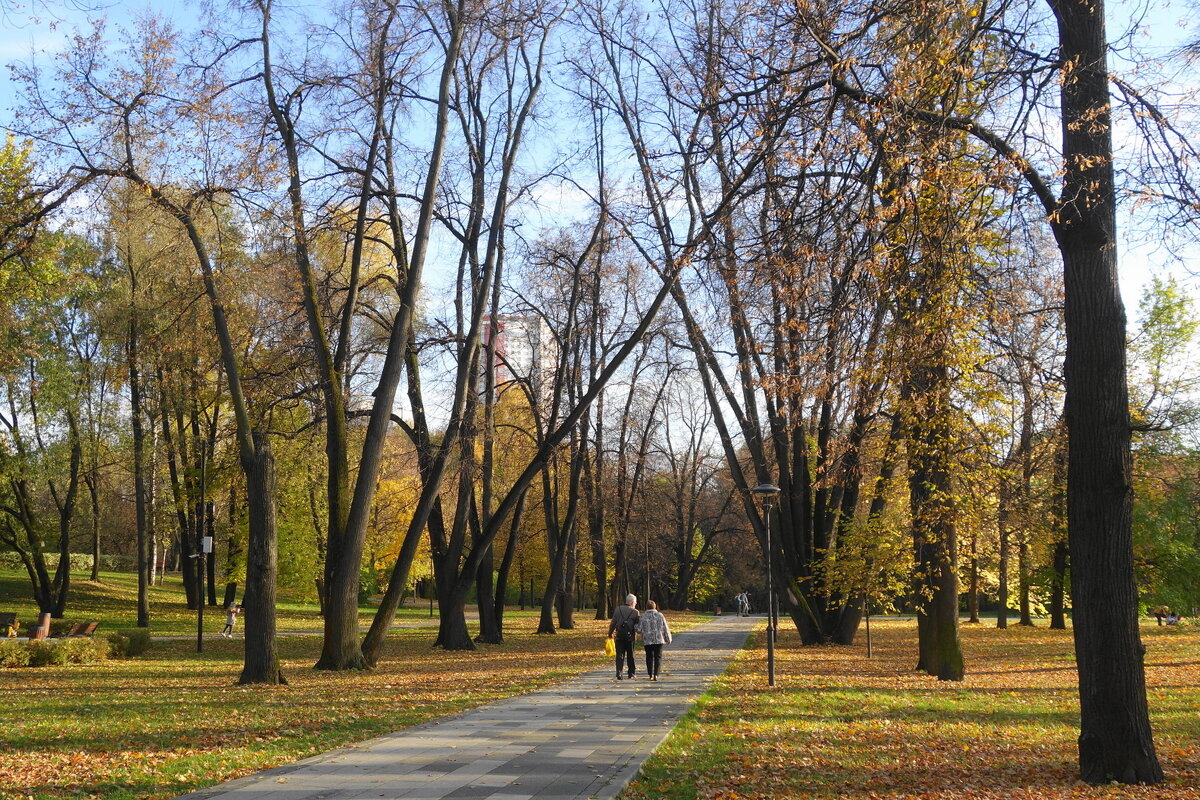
pixel 593 468
pixel 510 551
pixel 139 474
pixel 1115 741
pixel 1004 528
pixel 1058 515
pixel 452 619
pixel 183 512
pixel 973 589
pixel 1023 580
pixel 1058 582
pixel 566 597
pixel 485 595
pixel 262 659
pixel 342 648
pixel 210 530
pixel 556 535
pixel 92 480
pixel 66 513
pixel 454 582
pixel 934 537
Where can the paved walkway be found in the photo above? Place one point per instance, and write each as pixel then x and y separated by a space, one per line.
pixel 583 738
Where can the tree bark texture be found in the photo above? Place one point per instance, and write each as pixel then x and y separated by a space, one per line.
pixel 139 472
pixel 1115 741
pixel 262 660
pixel 934 535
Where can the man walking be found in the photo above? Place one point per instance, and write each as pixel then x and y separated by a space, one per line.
pixel 622 628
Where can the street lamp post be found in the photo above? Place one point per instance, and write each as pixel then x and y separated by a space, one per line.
pixel 768 494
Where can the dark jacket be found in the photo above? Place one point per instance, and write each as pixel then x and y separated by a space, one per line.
pixel 622 613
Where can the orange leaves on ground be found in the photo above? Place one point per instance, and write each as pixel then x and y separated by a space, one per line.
pixel 174 721
pixel 841 726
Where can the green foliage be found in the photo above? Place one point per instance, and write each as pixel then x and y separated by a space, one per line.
pixel 1166 459
pixel 55 652
pixel 14 653
pixel 80 562
pixel 80 650
pixel 301 512
pixel 368 583
pixel 18 205
pixel 1163 369
pixel 128 642
pixel 708 582
pixel 874 559
pixel 1166 530
pixel 40 653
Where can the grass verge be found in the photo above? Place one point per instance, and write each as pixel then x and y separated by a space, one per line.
pixel 113 601
pixel 172 720
pixel 841 726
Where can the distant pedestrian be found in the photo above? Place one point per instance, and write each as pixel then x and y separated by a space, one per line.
pixel 231 614
pixel 622 629
pixel 1160 614
pixel 655 633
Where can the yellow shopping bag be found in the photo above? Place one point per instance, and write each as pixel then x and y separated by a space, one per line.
pixel 610 647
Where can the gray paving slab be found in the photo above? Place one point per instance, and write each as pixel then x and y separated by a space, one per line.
pixel 586 737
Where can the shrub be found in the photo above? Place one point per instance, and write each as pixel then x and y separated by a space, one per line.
pixel 40 653
pixel 80 562
pixel 13 653
pixel 84 650
pixel 128 642
pixel 24 653
pixel 118 645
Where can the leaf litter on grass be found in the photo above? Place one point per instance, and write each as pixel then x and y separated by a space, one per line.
pixel 174 721
pixel 841 726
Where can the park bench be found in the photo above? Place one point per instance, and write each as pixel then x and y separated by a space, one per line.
pixel 78 629
pixel 86 629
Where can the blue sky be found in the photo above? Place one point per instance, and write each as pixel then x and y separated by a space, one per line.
pixel 42 27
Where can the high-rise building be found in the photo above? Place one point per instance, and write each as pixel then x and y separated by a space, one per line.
pixel 525 350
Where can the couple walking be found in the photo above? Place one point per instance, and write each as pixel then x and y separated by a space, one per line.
pixel 626 622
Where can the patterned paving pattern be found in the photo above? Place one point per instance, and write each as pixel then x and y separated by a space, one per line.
pixel 583 738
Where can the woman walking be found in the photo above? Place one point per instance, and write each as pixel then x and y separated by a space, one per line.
pixel 655 633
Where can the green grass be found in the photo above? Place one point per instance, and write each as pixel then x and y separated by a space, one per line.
pixel 841 726
pixel 113 602
pixel 173 720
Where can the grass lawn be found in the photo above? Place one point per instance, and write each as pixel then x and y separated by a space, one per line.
pixel 841 726
pixel 113 601
pixel 172 720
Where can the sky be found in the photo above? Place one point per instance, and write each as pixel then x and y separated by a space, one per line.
pixel 42 27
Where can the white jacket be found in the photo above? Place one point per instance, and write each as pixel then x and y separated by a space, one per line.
pixel 653 627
